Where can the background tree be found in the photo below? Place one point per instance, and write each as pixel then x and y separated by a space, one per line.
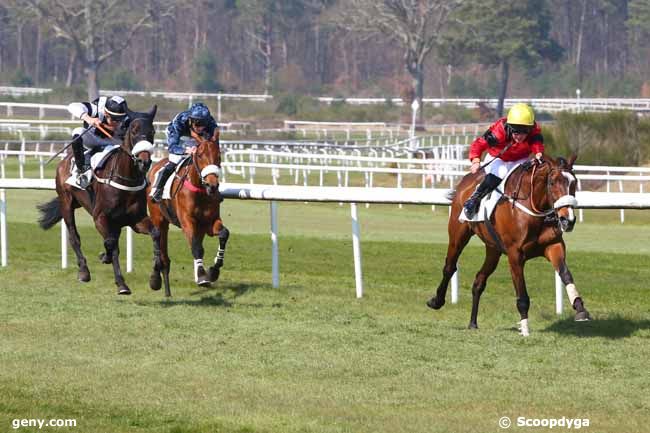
pixel 500 33
pixel 97 30
pixel 415 24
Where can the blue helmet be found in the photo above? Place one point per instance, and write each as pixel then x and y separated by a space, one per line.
pixel 199 112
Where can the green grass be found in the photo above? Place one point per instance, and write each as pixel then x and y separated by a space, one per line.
pixel 309 357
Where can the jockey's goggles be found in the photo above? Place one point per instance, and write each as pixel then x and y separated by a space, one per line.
pixel 520 129
pixel 113 115
pixel 199 122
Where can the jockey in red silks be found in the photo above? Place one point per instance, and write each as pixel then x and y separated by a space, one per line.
pixel 508 142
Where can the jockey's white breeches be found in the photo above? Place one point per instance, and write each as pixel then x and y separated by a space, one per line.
pixel 499 167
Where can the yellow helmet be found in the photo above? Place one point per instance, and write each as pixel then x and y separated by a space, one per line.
pixel 521 114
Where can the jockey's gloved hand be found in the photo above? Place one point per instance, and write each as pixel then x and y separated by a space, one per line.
pixel 527 165
pixel 539 158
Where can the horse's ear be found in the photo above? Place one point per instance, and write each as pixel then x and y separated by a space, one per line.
pixel 152 112
pixel 572 159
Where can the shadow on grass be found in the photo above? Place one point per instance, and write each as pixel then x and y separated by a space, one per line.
pixel 209 299
pixel 610 327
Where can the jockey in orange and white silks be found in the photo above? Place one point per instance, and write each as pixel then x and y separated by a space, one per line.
pixel 508 142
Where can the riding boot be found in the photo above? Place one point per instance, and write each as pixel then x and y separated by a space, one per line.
pixel 159 186
pixel 485 187
pixel 80 162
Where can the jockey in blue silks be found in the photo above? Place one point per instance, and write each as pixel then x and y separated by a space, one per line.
pixel 198 120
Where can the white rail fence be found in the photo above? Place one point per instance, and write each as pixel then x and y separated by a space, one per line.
pixel 352 195
pixel 545 104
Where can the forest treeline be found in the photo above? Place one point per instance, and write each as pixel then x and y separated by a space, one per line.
pixel 408 48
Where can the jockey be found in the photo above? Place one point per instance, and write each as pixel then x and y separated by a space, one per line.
pixel 508 142
pixel 198 120
pixel 110 114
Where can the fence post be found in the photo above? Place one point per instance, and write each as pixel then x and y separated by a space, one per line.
pixel 275 262
pixel 356 250
pixel 3 226
pixel 558 293
pixel 64 245
pixel 129 249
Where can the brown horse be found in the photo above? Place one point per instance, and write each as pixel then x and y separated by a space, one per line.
pixel 115 198
pixel 527 222
pixel 194 207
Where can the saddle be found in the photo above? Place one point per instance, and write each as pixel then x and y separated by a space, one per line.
pixel 489 202
pixel 96 161
pixel 167 189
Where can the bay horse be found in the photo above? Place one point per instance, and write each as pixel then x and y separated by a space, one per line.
pixel 194 206
pixel 528 222
pixel 115 198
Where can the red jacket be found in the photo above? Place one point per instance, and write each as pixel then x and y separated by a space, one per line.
pixel 497 137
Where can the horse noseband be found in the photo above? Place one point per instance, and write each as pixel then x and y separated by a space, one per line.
pixel 210 169
pixel 565 200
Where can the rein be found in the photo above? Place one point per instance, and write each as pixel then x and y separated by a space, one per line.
pixel 112 175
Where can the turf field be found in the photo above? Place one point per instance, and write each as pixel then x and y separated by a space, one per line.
pixel 309 357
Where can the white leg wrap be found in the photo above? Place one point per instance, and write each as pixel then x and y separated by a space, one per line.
pixel 197 263
pixel 572 293
pixel 523 328
pixel 220 255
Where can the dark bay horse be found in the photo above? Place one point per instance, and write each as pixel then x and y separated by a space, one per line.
pixel 527 222
pixel 116 197
pixel 194 206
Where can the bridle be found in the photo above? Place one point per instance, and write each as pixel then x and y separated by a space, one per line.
pixel 565 200
pixel 205 171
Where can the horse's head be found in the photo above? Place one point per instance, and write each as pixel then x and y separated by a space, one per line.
pixel 207 162
pixel 138 141
pixel 561 189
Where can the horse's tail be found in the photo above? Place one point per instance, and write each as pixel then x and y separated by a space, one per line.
pixel 50 213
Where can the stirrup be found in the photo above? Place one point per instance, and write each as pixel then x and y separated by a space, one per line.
pixel 82 181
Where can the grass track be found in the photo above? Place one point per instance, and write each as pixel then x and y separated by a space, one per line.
pixel 244 357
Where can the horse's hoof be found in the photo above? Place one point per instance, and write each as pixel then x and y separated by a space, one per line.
pixel 204 282
pixel 435 304
pixel 103 257
pixel 84 276
pixel 155 282
pixel 472 326
pixel 124 291
pixel 213 273
pixel 582 316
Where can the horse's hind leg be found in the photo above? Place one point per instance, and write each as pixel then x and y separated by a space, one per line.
pixel 75 240
pixel 492 257
pixel 555 254
pixel 223 233
pixel 459 235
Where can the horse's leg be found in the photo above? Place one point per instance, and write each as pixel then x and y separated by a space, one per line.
pixel 517 260
pixel 163 262
pixel 556 254
pixel 459 235
pixel 195 239
pixel 223 233
pixel 492 257
pixel 111 235
pixel 75 240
